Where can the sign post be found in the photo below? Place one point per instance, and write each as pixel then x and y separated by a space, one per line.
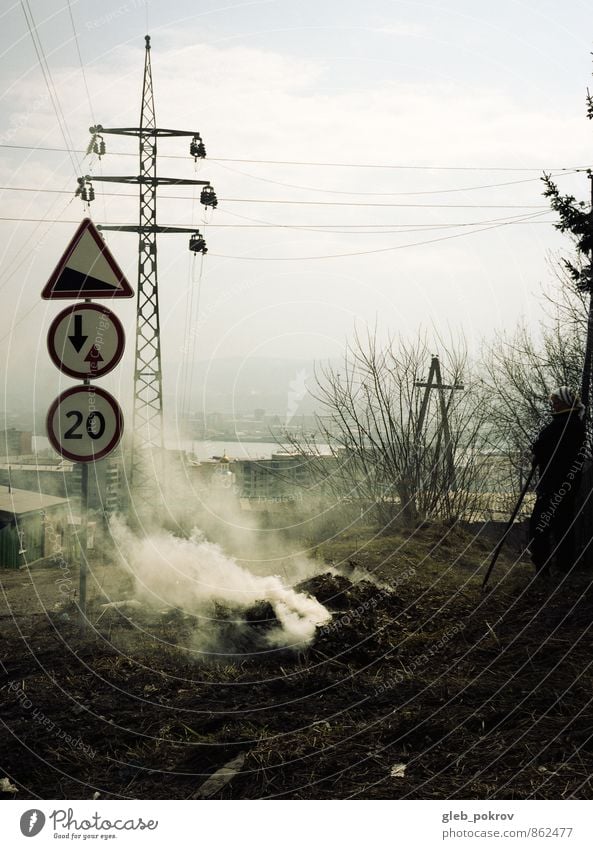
pixel 85 341
pixel 84 563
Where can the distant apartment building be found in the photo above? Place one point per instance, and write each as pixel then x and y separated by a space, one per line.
pixel 62 478
pixel 105 485
pixel 15 443
pixel 282 477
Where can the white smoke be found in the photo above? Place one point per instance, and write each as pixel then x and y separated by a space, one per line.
pixel 297 390
pixel 195 576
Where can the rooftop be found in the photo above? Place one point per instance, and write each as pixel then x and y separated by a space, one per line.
pixel 20 501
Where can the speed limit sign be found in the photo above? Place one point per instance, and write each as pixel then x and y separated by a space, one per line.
pixel 84 424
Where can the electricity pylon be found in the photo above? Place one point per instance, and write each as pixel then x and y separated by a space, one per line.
pixel 148 445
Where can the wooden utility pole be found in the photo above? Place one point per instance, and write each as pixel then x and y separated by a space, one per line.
pixel 435 382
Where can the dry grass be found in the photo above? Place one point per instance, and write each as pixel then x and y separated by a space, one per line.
pixel 479 696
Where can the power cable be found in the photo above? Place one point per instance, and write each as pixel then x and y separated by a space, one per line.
pixel 189 309
pixel 400 205
pixel 25 249
pixel 421 227
pixel 539 169
pixel 389 166
pixel 52 91
pixel 360 253
pixel 308 202
pixel 194 335
pixel 8 11
pixel 86 87
pixel 186 336
pixel 389 194
pixel 88 95
pixel 322 228
pixel 198 298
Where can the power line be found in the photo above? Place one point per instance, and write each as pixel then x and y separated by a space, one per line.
pixel 391 194
pixel 520 218
pixel 314 228
pixel 190 322
pixel 277 259
pixel 360 253
pixel 306 202
pixel 23 253
pixel 399 205
pixel 47 76
pixel 395 167
pixel 539 169
pixel 88 94
pixel 86 87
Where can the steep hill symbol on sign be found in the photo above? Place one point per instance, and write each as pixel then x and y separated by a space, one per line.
pixel 87 269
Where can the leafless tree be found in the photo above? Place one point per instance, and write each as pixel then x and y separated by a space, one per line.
pixel 383 455
pixel 520 370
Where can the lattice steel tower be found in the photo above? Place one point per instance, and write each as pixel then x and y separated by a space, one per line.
pixel 147 449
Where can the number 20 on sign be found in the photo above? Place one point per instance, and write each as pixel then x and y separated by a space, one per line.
pixel 84 424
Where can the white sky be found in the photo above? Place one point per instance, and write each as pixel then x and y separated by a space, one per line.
pixel 456 84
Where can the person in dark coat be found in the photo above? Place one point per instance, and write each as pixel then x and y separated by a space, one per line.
pixel 559 454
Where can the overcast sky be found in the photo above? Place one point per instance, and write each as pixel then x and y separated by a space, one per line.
pixel 467 102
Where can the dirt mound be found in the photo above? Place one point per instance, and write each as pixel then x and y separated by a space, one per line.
pixel 360 611
pixel 336 592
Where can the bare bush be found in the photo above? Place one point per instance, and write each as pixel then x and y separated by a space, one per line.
pixel 520 371
pixel 387 455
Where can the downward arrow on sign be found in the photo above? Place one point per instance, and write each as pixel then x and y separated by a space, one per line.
pixel 77 338
pixel 94 358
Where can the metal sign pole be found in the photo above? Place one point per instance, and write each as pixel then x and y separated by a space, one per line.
pixel 82 540
pixel 84 423
pixel 84 512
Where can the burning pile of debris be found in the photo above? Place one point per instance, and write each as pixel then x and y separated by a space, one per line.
pixel 328 613
pixel 362 614
pixel 228 608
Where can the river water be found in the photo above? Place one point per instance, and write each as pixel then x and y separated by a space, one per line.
pixel 203 449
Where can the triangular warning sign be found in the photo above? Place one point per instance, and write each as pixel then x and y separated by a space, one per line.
pixel 87 269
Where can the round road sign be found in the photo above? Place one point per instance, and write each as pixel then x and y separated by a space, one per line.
pixel 86 340
pixel 84 424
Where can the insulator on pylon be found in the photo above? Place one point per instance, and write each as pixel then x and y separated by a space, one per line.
pixel 85 190
pixel 99 146
pixel 197 243
pixel 196 148
pixel 208 197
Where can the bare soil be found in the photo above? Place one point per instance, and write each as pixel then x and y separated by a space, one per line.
pixel 420 687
